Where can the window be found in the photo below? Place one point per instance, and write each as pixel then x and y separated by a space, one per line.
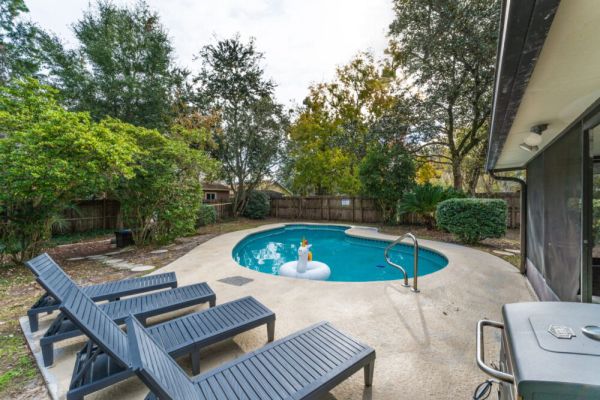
pixel 210 196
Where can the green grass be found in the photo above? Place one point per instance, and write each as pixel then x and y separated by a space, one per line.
pixel 18 365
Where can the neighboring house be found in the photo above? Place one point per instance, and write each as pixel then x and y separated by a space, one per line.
pixel 546 121
pixel 271 188
pixel 215 193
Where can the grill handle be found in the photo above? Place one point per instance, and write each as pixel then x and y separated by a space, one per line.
pixel 503 376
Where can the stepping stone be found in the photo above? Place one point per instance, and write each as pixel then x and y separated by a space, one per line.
pixel 159 251
pixel 142 268
pixel 502 253
pixel 514 251
pixel 113 261
pixel 76 258
pixel 123 265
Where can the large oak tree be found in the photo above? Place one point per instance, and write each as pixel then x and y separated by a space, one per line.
pixel 448 50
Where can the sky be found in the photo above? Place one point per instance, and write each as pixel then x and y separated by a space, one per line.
pixel 303 40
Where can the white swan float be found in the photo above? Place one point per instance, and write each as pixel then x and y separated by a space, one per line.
pixel 305 269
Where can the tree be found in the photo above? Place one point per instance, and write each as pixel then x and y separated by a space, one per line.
pixel 448 49
pixel 123 66
pixel 315 164
pixel 23 45
pixel 338 122
pixel 386 172
pixel 50 157
pixel 231 84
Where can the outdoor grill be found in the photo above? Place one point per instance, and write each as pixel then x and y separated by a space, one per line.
pixel 549 351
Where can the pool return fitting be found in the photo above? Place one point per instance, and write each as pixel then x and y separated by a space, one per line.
pixel 416 260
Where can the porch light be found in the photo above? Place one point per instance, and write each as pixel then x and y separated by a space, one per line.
pixel 534 139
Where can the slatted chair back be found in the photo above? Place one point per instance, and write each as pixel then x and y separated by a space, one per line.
pixel 97 326
pixel 51 276
pixel 159 371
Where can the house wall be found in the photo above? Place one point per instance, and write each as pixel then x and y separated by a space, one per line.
pixel 220 196
pixel 554 184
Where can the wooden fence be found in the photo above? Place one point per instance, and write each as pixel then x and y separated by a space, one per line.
pixel 224 210
pixel 330 208
pixel 90 215
pixel 362 210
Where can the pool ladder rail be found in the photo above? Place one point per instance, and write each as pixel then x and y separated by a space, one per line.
pixel 416 260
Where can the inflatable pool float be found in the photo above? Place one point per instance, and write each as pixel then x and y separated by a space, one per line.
pixel 305 269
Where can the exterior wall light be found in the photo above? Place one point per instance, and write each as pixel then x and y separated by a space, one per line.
pixel 534 139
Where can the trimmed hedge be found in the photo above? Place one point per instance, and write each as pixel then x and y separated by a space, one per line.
pixel 258 206
pixel 207 215
pixel 471 219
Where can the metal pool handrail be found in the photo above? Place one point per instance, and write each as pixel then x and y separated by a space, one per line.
pixel 416 260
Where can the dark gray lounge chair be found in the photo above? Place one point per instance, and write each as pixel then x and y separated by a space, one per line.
pixel 304 365
pixel 58 284
pixel 110 291
pixel 105 359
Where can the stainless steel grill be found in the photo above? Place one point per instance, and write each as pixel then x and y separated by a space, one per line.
pixel 549 351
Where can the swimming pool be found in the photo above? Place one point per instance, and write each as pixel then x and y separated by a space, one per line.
pixel 351 259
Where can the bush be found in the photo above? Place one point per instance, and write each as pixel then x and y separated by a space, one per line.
pixel 207 215
pixel 424 199
pixel 49 158
pixel 472 220
pixel 258 206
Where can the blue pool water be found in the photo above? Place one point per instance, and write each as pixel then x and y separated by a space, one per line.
pixel 350 259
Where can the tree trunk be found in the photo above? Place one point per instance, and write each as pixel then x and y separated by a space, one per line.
pixel 457 174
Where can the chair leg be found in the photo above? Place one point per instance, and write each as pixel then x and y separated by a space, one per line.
pixel 271 331
pixel 47 353
pixel 369 368
pixel 195 356
pixel 33 321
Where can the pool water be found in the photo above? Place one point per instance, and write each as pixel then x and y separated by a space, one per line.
pixel 350 259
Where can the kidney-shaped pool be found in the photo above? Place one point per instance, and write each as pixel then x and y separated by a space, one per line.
pixel 351 259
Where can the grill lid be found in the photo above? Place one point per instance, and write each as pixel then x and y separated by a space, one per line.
pixel 548 350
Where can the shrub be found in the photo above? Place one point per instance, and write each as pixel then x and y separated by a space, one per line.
pixel 207 215
pixel 160 203
pixel 423 200
pixel 258 206
pixel 50 157
pixel 472 220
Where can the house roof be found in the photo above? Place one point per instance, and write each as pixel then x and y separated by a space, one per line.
pixel 523 30
pixel 215 187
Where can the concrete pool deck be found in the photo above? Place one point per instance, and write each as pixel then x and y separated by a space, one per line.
pixel 425 342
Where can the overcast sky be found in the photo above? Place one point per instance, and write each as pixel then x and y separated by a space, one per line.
pixel 303 40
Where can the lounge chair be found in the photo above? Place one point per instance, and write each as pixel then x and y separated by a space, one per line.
pixel 304 365
pixel 58 284
pixel 109 291
pixel 105 359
